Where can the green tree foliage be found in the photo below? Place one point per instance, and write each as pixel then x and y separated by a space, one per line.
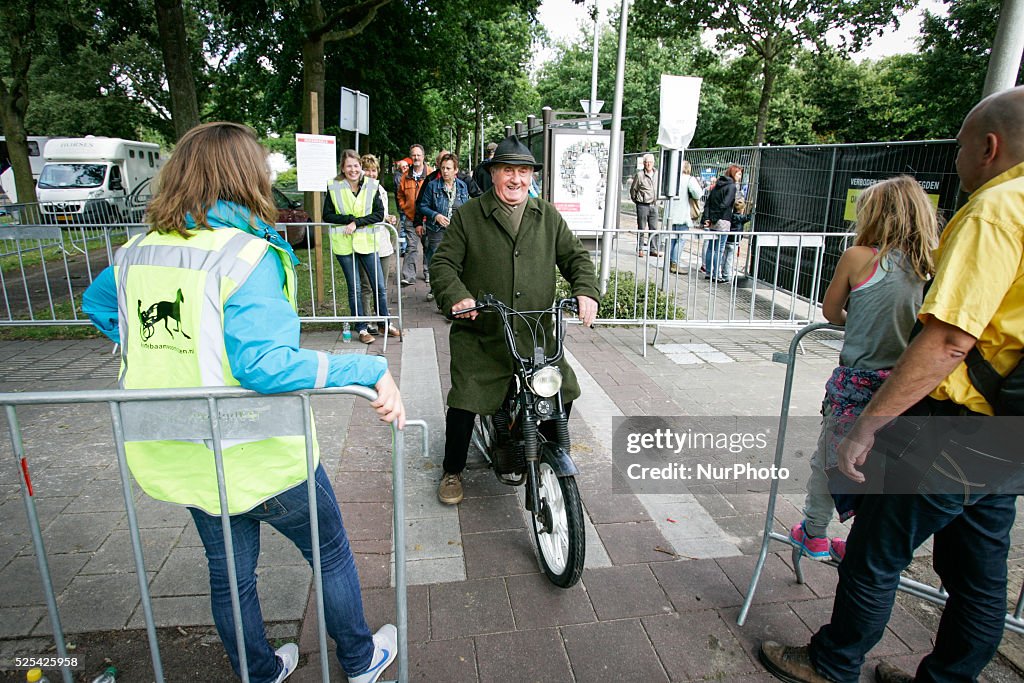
pixel 770 31
pixel 564 81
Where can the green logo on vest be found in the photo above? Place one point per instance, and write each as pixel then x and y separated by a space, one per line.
pixel 161 310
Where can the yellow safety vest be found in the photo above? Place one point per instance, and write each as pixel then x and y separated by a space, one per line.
pixel 364 240
pixel 171 295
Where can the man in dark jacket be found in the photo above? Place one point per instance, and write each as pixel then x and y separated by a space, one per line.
pixel 508 244
pixel 718 218
pixel 482 174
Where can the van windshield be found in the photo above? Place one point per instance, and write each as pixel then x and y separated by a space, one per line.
pixel 72 175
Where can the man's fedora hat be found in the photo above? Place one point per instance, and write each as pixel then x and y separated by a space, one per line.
pixel 513 153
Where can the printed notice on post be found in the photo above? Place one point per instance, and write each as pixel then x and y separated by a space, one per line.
pixel 316 161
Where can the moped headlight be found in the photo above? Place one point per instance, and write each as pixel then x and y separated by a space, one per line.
pixel 547 381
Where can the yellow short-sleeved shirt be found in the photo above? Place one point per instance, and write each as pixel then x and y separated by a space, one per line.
pixel 979 281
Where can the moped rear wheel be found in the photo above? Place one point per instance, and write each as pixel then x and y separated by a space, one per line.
pixel 558 525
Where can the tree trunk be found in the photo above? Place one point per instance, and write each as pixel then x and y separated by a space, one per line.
pixel 767 86
pixel 170 22
pixel 459 130
pixel 313 80
pixel 13 106
pixel 479 132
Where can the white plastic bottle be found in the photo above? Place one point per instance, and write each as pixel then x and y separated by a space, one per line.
pixel 346 333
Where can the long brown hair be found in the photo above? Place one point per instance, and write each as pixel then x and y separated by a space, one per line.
pixel 896 214
pixel 212 162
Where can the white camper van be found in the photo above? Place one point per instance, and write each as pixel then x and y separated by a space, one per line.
pixel 88 179
pixel 36 144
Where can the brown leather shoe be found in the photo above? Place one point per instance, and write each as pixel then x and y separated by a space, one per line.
pixel 790 664
pixel 394 331
pixel 890 673
pixel 366 337
pixel 449 491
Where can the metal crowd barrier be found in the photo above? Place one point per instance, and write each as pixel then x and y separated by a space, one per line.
pixel 761 294
pixel 45 269
pixel 1014 620
pixel 215 414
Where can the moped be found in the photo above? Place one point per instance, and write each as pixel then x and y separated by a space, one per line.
pixel 519 453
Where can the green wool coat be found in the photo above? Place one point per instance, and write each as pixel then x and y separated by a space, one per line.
pixel 481 255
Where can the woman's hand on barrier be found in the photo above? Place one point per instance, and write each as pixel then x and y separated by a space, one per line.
pixel 350 228
pixel 463 305
pixel 588 309
pixel 389 401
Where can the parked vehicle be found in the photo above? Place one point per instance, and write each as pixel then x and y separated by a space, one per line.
pixel 35 159
pixel 291 211
pixel 88 180
pixel 520 454
pixel 288 211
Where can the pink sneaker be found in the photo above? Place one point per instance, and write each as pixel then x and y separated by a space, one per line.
pixel 814 547
pixel 838 549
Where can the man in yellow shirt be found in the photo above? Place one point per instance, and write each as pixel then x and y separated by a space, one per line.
pixel 976 299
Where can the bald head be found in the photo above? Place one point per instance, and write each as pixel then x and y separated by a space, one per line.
pixel 990 140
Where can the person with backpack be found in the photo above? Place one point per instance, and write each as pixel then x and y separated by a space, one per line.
pixel 685 211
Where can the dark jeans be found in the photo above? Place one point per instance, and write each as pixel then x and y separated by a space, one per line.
pixel 370 264
pixel 972 539
pixel 288 512
pixel 458 430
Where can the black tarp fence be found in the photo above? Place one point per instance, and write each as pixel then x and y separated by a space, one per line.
pixel 811 188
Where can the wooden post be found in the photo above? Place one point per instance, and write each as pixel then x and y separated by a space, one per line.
pixel 318 210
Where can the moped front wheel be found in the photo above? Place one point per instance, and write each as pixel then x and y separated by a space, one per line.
pixel 558 525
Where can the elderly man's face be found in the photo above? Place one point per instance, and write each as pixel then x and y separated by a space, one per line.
pixel 648 165
pixel 512 183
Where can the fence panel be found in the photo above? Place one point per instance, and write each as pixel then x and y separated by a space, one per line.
pixel 45 269
pixel 216 414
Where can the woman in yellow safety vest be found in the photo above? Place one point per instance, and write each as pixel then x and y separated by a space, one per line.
pixel 354 205
pixel 207 298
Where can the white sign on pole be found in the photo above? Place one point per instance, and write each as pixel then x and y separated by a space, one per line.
pixel 355 111
pixel 680 99
pixel 316 161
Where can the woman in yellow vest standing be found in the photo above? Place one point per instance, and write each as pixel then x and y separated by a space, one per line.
pixel 354 204
pixel 207 298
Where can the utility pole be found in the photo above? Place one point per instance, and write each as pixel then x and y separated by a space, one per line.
pixel 614 177
pixel 1007 48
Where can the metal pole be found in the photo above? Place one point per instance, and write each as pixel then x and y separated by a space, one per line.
pixel 1007 48
pixel 614 177
pixel 595 13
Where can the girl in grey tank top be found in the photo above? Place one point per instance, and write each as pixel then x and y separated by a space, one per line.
pixel 875 293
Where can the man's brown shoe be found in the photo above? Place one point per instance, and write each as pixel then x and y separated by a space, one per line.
pixel 790 664
pixel 449 491
pixel 890 673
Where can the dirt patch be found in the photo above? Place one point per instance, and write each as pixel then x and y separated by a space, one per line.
pixel 187 654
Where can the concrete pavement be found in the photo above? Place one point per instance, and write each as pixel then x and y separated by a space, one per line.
pixel 665 573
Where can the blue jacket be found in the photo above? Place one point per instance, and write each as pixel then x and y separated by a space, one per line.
pixel 434 201
pixel 261 332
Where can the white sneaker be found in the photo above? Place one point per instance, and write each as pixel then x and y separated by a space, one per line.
pixel 385 649
pixel 289 656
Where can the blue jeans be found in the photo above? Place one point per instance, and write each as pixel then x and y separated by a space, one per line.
pixel 714 252
pixel 677 242
pixel 287 512
pixel 431 241
pixel 370 263
pixel 971 545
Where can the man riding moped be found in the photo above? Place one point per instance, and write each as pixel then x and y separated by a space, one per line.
pixel 507 244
